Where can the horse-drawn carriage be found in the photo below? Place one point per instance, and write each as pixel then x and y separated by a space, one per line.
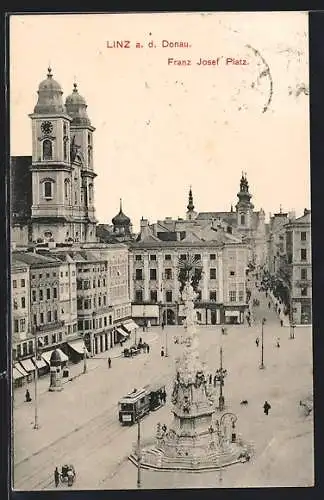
pixel 68 474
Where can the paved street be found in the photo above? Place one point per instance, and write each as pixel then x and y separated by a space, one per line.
pixel 80 424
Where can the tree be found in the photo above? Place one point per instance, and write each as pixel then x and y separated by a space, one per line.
pixel 189 269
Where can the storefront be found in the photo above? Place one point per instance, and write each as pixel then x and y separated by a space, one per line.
pixel 146 312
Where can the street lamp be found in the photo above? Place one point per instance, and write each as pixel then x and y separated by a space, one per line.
pixel 262 345
pixel 139 454
pixel 84 359
pixel 220 375
pixel 36 426
pixel 292 323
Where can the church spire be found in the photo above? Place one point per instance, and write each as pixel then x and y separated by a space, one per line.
pixel 190 205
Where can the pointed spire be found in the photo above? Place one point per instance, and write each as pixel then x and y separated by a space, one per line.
pixel 280 208
pixel 120 205
pixel 190 205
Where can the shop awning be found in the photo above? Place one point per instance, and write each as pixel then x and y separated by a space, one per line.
pixel 78 346
pixel 28 365
pixel 130 325
pixel 232 313
pixel 47 355
pixel 40 363
pixel 21 370
pixel 122 332
pixel 16 373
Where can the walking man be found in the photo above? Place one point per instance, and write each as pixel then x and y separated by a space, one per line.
pixel 266 407
pixel 162 352
pixel 281 322
pixel 210 379
pixel 269 305
pixel 147 348
pixel 162 325
pixel 215 381
pixel 28 398
pixel 278 342
pixel 56 477
pixel 257 340
pixel 109 362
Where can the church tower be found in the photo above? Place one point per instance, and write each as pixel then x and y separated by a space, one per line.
pixel 244 207
pixel 58 211
pixel 191 214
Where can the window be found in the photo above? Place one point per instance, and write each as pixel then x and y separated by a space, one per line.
pixel 198 297
pixel 80 325
pixel 153 295
pixel 46 339
pixel 153 257
pixel 241 296
pixel 55 315
pixel 87 304
pixel 16 326
pixel 48 191
pixel 138 257
pixel 99 301
pixel 212 256
pixel 104 300
pixel 60 337
pixel 33 276
pixel 167 257
pixel 94 284
pixel 54 275
pixel 303 254
pixel 139 296
pixel 47 149
pixel 35 319
pixel 110 320
pixel 30 347
pixel 168 296
pixel 98 283
pixel 232 296
pixel 41 318
pixel 66 189
pixel 23 302
pixel 232 273
pixel 40 294
pixel 303 236
pixel 49 316
pixel 138 274
pixel 14 284
pixel 303 291
pixel 47 275
pixel 25 349
pixel 152 274
pixel 55 293
pixel 212 296
pixel 183 256
pixel 168 274
pixel 53 338
pixel 105 321
pixel 303 274
pixel 242 220
pixel 197 256
pixel 65 148
pixel 48 293
pixel 212 274
pixel 22 283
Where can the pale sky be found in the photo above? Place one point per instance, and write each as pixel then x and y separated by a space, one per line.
pixel 162 127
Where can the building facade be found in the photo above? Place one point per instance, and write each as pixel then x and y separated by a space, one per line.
pixel 20 301
pixel 155 287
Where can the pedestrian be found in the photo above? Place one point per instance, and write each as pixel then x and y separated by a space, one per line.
pixel 147 348
pixel 109 362
pixel 269 305
pixel 215 381
pixel 278 342
pixel 28 398
pixel 279 311
pixel 257 340
pixel 162 325
pixel 56 477
pixel 210 379
pixel 121 344
pixel 266 407
pixel 281 322
pixel 162 352
pixel 148 324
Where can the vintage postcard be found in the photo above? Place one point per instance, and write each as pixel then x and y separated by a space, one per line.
pixel 161 272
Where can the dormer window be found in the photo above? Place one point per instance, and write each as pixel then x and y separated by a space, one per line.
pixel 47 150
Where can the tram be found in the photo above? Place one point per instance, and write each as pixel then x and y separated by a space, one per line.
pixel 138 403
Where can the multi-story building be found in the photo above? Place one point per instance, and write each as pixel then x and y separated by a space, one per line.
pixel 20 295
pixel 299 267
pixel 154 268
pixel 276 243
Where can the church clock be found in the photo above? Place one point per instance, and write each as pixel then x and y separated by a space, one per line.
pixel 47 128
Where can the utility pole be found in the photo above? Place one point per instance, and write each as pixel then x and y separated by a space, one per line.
pixel 139 454
pixel 291 317
pixel 166 334
pixel 221 381
pixel 262 344
pixel 36 426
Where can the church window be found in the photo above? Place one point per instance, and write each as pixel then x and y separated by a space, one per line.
pixel 47 150
pixel 242 220
pixel 48 189
pixel 66 188
pixel 65 148
pixel 89 155
pixel 90 193
pixel 64 128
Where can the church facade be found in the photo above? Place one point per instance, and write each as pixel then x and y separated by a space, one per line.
pixel 59 204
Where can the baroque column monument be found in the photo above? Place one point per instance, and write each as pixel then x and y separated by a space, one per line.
pixel 199 437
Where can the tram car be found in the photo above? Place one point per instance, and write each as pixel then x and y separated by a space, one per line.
pixel 138 403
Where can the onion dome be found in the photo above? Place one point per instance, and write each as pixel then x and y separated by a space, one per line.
pixel 49 96
pixel 55 357
pixel 121 219
pixel 76 107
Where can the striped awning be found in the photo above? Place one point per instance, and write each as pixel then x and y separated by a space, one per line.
pixel 122 332
pixel 47 355
pixel 130 326
pixel 16 374
pixel 40 363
